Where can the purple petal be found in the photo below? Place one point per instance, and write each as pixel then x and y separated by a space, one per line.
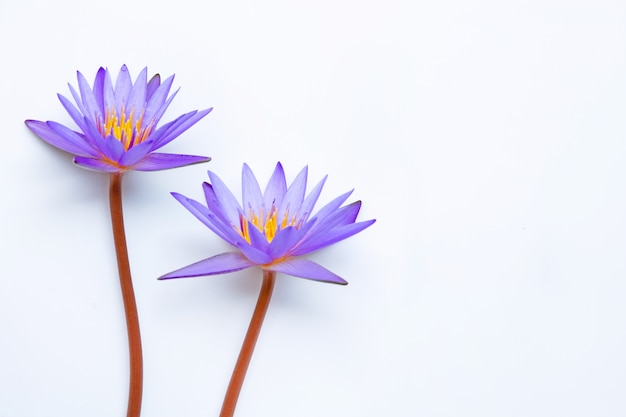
pixel 96 164
pixel 306 269
pixel 341 217
pixel 74 113
pixel 88 99
pixel 112 148
pixel 60 137
pixel 159 161
pixel 276 188
pixel 135 154
pixel 226 230
pixel 218 264
pixel 255 255
pixel 288 240
pixel 137 99
pixel 257 238
pixel 157 134
pixel 98 89
pixel 79 101
pixel 80 140
pixel 332 207
pixel 294 196
pixel 123 86
pixel 227 200
pixel 153 84
pixel 283 241
pixel 213 203
pixel 181 124
pixel 108 92
pixel 93 135
pixel 155 108
pixel 252 198
pixel 328 237
pixel 310 200
pixel 209 219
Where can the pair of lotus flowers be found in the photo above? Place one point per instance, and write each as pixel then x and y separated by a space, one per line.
pixel 119 131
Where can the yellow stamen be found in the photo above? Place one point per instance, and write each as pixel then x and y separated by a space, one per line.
pixel 266 224
pixel 125 129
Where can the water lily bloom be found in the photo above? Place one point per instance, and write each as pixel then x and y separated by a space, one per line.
pixel 271 229
pixel 118 124
pixel 118 132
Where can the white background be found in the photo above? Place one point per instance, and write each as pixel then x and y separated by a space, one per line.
pixel 487 138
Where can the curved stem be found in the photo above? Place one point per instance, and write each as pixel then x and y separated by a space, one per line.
pixel 128 295
pixel 239 373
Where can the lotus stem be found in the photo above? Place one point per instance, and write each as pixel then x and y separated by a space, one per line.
pixel 247 348
pixel 128 295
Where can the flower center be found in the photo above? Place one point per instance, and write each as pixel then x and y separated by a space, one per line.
pixel 268 224
pixel 125 127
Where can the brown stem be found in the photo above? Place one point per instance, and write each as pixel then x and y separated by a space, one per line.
pixel 128 295
pixel 239 373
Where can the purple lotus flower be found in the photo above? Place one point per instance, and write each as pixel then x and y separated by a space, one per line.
pixel 118 124
pixel 272 229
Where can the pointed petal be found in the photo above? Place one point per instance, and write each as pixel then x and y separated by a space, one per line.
pixel 226 230
pixel 218 264
pixel 255 255
pixel 294 196
pixel 283 241
pixel 157 134
pixel 137 99
pixel 304 268
pixel 156 106
pixel 74 113
pixel 257 238
pixel 98 89
pixel 332 207
pixel 252 198
pixel 78 139
pixel 326 238
pixel 93 135
pixel 324 226
pixel 310 200
pixel 78 100
pixel 135 154
pixel 276 188
pixel 88 99
pixel 216 218
pixel 60 137
pixel 345 215
pixel 94 164
pixel 112 148
pixel 108 92
pixel 288 240
pixel 153 84
pixel 209 219
pixel 213 203
pixel 227 200
pixel 123 86
pixel 181 124
pixel 159 161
